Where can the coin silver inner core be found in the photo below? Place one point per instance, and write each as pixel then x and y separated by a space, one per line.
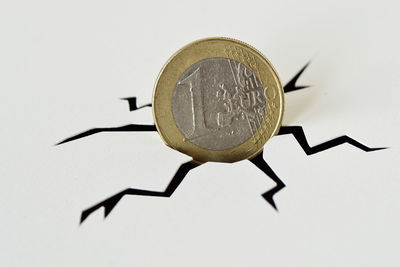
pixel 218 103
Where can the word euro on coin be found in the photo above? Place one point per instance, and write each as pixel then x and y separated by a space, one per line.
pixel 218 99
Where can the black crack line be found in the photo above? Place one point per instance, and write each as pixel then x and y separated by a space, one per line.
pixel 298 133
pixel 291 85
pixel 263 166
pixel 125 128
pixel 112 201
pixel 132 101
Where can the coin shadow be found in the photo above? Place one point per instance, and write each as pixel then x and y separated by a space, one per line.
pixel 297 104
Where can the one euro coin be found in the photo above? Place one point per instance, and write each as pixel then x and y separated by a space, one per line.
pixel 218 99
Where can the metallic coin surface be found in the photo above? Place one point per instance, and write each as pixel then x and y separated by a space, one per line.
pixel 218 103
pixel 218 99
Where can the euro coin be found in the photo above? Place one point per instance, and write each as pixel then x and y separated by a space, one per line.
pixel 218 99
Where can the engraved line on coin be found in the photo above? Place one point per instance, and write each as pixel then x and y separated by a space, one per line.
pixel 233 74
pixel 253 63
pixel 246 81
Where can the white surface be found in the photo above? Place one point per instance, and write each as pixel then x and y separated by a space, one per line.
pixel 64 66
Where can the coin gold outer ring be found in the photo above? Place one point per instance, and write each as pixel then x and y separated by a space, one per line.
pixel 212 48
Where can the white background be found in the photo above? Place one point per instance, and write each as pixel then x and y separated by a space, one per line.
pixel 65 64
